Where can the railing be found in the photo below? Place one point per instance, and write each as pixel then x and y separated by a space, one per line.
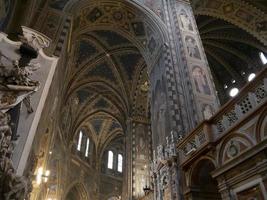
pixel 252 96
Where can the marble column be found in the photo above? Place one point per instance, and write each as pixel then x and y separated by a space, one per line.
pixel 127 180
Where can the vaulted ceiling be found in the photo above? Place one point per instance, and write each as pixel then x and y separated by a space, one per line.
pixel 107 79
pixel 232 53
pixel 107 70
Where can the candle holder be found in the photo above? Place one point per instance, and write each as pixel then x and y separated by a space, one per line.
pixel 147 190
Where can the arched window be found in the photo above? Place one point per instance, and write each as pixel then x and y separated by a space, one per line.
pixel 110 159
pixel 87 147
pixel 79 145
pixel 263 58
pixel 120 163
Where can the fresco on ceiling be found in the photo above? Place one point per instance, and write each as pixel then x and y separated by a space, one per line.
pixel 101 103
pixel 58 4
pixel 83 95
pixel 111 38
pixel 129 62
pixel 97 125
pixel 102 70
pixel 85 51
pixel 114 125
pixel 6 8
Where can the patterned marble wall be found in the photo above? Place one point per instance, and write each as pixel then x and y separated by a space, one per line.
pixel 160 108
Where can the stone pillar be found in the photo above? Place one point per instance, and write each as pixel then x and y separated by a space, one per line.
pixel 141 157
pixel 182 89
pixel 127 181
pixel 192 58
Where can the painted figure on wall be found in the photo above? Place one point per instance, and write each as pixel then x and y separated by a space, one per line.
pixel 186 22
pixel 207 111
pixel 192 47
pixel 201 81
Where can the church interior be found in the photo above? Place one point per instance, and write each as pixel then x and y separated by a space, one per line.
pixel 133 99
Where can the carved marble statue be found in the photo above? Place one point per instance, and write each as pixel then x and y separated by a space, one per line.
pixel 16 85
pixel 12 186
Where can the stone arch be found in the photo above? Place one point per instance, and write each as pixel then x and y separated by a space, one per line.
pixel 261 126
pixel 238 13
pixel 203 185
pixel 194 166
pixel 232 146
pixel 76 191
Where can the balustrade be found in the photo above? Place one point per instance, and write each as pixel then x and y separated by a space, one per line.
pixel 250 98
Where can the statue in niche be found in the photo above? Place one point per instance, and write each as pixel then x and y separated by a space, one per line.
pixel 201 81
pixel 142 146
pixel 192 47
pixel 186 22
pixel 207 111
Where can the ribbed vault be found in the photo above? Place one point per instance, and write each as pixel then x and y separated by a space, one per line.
pixel 107 79
pixel 232 53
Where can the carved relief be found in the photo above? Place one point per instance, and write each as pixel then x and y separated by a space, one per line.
pixel 233 148
pixel 201 81
pixel 11 186
pixel 192 47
